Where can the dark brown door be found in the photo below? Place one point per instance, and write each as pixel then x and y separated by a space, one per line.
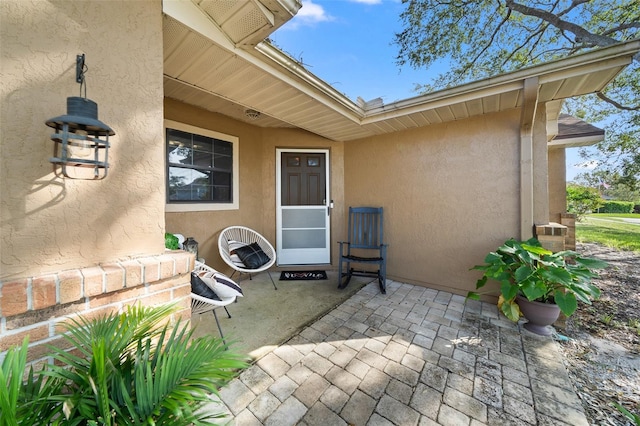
pixel 303 179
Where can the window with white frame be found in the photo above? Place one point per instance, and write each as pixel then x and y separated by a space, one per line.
pixel 202 168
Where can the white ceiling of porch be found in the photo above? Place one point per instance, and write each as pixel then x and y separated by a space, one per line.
pixel 214 58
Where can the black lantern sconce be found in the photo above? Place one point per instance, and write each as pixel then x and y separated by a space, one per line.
pixel 81 140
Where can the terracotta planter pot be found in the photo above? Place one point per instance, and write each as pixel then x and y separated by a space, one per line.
pixel 540 315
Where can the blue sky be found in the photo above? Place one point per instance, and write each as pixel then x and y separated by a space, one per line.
pixel 350 45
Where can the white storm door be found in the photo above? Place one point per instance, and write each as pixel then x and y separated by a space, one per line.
pixel 303 207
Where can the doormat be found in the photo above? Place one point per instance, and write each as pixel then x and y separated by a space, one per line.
pixel 303 275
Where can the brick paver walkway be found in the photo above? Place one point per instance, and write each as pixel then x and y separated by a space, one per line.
pixel 414 356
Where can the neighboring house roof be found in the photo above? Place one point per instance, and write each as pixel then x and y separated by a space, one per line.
pixel 213 62
pixel 573 132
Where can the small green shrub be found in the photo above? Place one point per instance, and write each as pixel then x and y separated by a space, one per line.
pixel 582 200
pixel 617 207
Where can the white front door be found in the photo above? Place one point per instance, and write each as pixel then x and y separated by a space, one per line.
pixel 303 206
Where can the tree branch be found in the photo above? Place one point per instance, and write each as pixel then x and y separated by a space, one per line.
pixel 580 33
pixel 617 104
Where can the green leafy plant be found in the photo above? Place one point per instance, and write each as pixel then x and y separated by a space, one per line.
pixel 171 241
pixel 134 368
pixel 528 269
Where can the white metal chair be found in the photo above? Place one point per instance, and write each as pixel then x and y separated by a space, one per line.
pixel 235 236
pixel 201 304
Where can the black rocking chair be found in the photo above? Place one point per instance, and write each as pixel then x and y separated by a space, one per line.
pixel 365 246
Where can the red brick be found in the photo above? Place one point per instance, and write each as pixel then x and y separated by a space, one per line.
pixel 43 291
pixel 156 298
pixel 184 315
pixel 184 262
pixel 33 318
pixel 14 297
pixel 114 277
pixel 42 350
pixel 151 269
pixel 182 291
pixel 133 273
pixel 62 323
pixel 70 286
pixel 167 266
pixel 93 280
pixel 169 284
pixel 35 334
pixel 117 297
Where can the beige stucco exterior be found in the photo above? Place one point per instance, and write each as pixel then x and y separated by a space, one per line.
pixel 257 179
pixel 50 223
pixel 450 191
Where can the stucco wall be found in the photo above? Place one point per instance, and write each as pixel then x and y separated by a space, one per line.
pixel 450 194
pixel 257 179
pixel 50 223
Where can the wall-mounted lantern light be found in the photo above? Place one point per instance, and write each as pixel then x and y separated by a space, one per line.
pixel 191 246
pixel 81 140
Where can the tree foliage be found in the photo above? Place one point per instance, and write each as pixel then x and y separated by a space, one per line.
pixel 483 38
pixel 582 200
pixel 599 180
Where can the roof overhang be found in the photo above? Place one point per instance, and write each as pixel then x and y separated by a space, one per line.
pixel 573 132
pixel 208 65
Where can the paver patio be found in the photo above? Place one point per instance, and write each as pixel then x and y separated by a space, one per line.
pixel 415 356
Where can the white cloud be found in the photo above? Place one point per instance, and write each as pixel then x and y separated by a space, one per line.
pixel 311 13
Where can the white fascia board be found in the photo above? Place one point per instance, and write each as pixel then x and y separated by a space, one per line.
pixel 618 55
pixel 187 13
pixel 438 100
pixel 576 142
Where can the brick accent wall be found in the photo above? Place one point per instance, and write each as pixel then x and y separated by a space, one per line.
pixel 552 236
pixel 569 220
pixel 38 306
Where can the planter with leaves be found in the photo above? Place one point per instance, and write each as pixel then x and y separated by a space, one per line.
pixel 134 368
pixel 529 270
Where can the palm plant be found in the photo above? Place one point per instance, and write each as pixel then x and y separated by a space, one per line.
pixel 123 369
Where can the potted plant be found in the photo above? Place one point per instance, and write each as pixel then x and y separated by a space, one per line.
pixel 527 272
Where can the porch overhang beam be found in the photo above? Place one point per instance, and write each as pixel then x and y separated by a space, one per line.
pixel 527 119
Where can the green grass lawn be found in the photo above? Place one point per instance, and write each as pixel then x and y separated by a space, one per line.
pixel 613 230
